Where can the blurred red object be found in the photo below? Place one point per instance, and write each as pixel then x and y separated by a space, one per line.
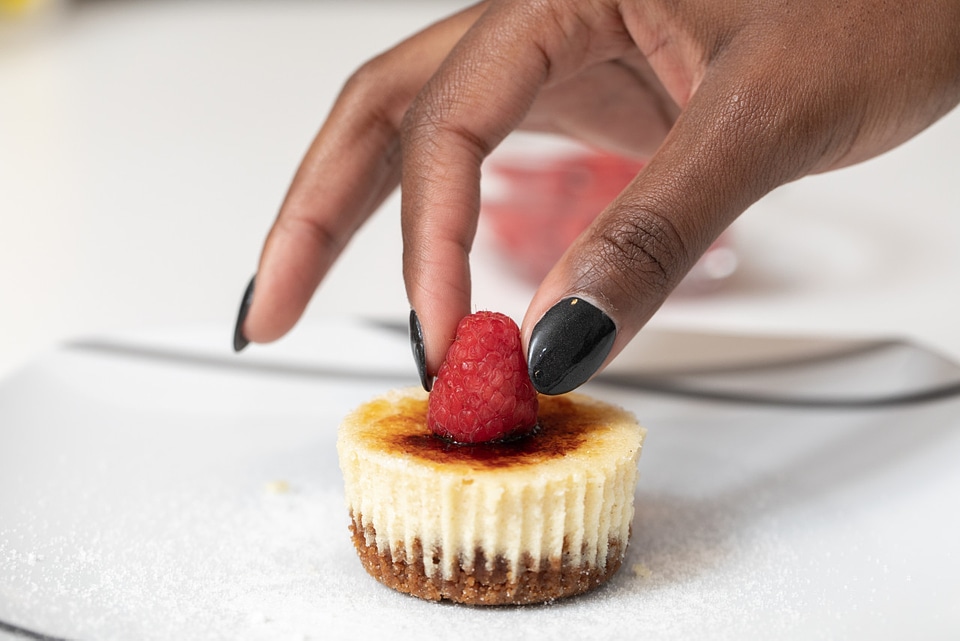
pixel 537 207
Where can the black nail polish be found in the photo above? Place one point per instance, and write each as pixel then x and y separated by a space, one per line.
pixel 239 340
pixel 419 354
pixel 568 345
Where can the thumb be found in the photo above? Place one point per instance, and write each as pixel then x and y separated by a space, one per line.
pixel 733 143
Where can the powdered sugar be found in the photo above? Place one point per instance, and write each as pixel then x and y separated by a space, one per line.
pixel 213 510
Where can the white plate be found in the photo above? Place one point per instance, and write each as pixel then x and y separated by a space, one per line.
pixel 151 498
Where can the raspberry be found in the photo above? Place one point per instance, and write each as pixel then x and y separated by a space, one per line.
pixel 483 392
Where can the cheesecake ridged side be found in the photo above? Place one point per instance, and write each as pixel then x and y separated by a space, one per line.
pixel 538 519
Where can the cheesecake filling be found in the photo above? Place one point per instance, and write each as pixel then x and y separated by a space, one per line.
pixel 446 518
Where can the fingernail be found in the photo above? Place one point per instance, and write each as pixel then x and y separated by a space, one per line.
pixel 419 354
pixel 568 345
pixel 239 340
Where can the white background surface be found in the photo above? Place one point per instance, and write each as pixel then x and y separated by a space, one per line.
pixel 145 147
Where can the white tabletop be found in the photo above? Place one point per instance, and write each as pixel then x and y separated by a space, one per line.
pixel 156 494
pixel 145 147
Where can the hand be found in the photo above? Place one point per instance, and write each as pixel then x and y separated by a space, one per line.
pixel 730 100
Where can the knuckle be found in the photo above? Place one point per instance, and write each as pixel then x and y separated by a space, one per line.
pixel 327 239
pixel 373 76
pixel 422 121
pixel 642 255
pixel 374 89
pixel 433 126
pixel 366 80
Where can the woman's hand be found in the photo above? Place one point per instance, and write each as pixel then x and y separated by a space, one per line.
pixel 729 100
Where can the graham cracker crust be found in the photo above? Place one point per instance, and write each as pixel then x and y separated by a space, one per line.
pixel 483 583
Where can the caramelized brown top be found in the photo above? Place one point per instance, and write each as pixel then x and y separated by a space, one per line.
pixel 401 427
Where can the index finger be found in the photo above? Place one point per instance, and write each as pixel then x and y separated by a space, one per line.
pixel 479 94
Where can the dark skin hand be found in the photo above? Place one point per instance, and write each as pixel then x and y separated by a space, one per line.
pixel 729 100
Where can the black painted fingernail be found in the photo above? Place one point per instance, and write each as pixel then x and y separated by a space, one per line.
pixel 568 345
pixel 239 340
pixel 419 354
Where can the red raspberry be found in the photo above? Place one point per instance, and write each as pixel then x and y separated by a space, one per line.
pixel 483 392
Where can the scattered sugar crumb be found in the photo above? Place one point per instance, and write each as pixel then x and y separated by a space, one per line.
pixel 258 618
pixel 641 571
pixel 278 487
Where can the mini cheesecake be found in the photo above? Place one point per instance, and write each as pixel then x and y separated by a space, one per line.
pixel 526 521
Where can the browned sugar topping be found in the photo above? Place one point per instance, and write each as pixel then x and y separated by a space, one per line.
pixel 401 427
